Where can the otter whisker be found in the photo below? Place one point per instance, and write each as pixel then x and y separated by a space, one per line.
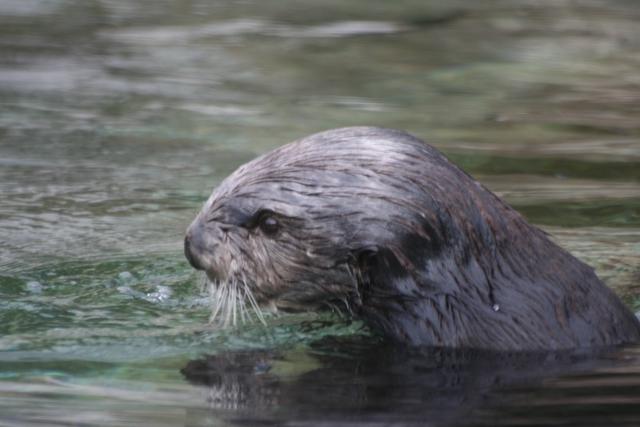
pixel 333 308
pixel 252 300
pixel 231 305
pixel 221 303
pixel 228 305
pixel 228 298
pixel 234 304
pixel 203 281
pixel 242 310
pixel 215 292
pixel 249 295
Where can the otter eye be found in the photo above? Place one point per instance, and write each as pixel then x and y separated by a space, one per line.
pixel 269 225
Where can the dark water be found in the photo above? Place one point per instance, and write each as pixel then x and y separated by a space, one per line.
pixel 118 118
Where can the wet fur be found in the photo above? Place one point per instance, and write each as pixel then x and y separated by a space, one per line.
pixel 378 223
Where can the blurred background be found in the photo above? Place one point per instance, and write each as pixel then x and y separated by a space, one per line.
pixel 119 117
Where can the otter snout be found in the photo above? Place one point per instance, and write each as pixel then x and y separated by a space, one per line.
pixel 194 245
pixel 187 253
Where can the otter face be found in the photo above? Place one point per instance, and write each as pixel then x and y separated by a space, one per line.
pixel 271 240
pixel 266 255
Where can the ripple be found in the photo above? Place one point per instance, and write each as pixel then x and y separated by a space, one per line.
pixel 177 35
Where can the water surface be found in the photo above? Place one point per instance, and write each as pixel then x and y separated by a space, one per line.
pixel 118 118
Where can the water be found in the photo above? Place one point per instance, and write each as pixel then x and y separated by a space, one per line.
pixel 118 118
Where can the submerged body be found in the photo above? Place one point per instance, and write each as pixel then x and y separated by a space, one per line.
pixel 378 223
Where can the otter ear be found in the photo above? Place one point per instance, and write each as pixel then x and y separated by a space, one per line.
pixel 360 265
pixel 363 255
pixel 379 271
pixel 389 296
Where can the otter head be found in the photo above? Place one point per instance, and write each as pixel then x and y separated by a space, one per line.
pixel 379 223
pixel 293 228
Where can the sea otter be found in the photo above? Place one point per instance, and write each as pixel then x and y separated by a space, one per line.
pixel 378 223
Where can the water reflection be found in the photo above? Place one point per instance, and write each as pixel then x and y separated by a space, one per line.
pixel 361 384
pixel 394 386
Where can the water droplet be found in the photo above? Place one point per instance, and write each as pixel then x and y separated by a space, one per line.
pixel 126 290
pixel 164 290
pixel 125 276
pixel 34 287
pixel 162 294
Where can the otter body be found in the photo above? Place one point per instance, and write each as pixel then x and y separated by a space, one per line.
pixel 378 223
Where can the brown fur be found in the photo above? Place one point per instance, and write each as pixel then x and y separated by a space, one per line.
pixel 381 224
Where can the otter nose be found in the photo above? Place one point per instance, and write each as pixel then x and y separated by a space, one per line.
pixel 194 244
pixel 189 254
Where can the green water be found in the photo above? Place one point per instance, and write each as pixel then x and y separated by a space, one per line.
pixel 118 118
